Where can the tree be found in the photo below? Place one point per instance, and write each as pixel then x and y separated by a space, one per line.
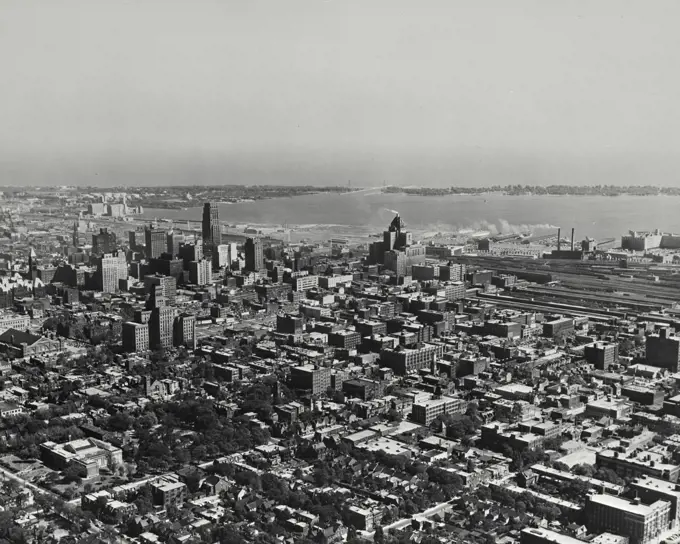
pixel 72 474
pixel 193 481
pixel 584 470
pixel 379 536
pixel 144 500
pixel 120 421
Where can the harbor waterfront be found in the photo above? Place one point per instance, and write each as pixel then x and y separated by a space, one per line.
pixel 594 216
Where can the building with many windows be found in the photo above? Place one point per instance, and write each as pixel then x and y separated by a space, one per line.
pixel 156 242
pixel 11 320
pixel 254 254
pixel 168 285
pixel 663 350
pixel 641 523
pixel 161 327
pixel 111 268
pixel 104 242
pixel 309 377
pixel 89 455
pixel 212 236
pixel 405 360
pixel 185 331
pixel 426 411
pixel 135 337
pixel 200 272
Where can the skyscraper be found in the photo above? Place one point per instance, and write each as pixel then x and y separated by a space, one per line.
pixel 104 242
pixel 111 268
pixel 161 327
pixel 168 286
pixel 200 272
pixel 191 252
pixel 74 234
pixel 254 254
pixel 224 255
pixel 174 241
pixel 132 239
pixel 211 225
pixel 185 331
pixel 156 242
pixel 135 337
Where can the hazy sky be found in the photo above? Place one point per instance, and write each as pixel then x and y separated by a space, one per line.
pixel 431 92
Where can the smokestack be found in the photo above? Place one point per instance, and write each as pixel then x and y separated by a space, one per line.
pixel 572 238
pixel 559 240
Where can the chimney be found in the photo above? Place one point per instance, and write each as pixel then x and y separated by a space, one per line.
pixel 559 240
pixel 572 238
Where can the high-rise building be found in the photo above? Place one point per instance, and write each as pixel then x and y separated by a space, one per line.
pixel 191 252
pixel 132 240
pixel 212 236
pixel 168 285
pixel 309 377
pixel 174 240
pixel 289 324
pixel 168 267
pixel 111 268
pixel 156 298
pixel 185 331
pixel 254 254
pixel 74 235
pixel 161 327
pixel 663 350
pixel 224 255
pixel 397 250
pixel 156 242
pixel 135 337
pixel 602 354
pixel 641 523
pixel 104 242
pixel 200 272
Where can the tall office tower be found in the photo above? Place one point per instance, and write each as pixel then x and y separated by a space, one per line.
pixel 185 331
pixel 132 239
pixel 156 242
pixel 156 298
pixel 191 252
pixel 74 235
pixel 211 225
pixel 200 272
pixel 161 327
pixel 168 285
pixel 104 242
pixel 663 350
pixel 224 256
pixel 32 260
pixel 254 254
pixel 111 267
pixel 174 240
pixel 135 337
pixel 168 267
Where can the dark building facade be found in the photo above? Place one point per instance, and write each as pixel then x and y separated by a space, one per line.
pixel 156 242
pixel 104 242
pixel 254 254
pixel 211 225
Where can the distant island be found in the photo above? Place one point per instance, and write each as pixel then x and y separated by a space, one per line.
pixel 558 190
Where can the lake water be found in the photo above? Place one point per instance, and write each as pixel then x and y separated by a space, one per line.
pixel 598 217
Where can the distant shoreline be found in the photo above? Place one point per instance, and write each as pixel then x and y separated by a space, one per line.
pixel 536 190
